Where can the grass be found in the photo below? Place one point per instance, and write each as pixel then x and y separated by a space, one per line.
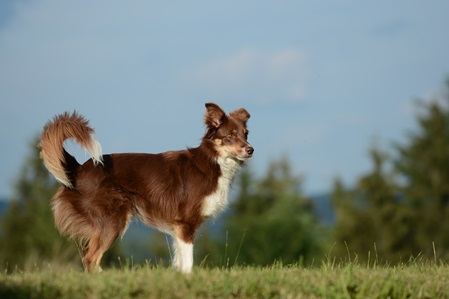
pixel 350 280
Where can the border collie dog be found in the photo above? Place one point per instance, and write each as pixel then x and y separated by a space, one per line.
pixel 173 191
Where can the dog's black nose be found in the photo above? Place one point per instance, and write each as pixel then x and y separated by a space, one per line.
pixel 249 150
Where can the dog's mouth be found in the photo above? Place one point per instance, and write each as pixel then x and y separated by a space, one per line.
pixel 240 154
pixel 245 153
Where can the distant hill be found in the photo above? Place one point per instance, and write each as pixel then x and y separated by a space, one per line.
pixel 3 206
pixel 323 208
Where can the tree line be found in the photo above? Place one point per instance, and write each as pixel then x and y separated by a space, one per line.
pixel 397 211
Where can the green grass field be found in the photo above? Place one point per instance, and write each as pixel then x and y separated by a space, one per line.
pixel 416 280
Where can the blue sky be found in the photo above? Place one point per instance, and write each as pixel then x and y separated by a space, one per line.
pixel 323 80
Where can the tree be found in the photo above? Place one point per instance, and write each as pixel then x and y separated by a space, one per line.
pixel 373 217
pixel 403 211
pixel 270 220
pixel 423 162
pixel 27 231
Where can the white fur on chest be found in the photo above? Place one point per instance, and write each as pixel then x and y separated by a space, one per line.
pixel 218 200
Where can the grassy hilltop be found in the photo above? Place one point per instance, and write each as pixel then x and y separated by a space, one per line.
pixel 351 280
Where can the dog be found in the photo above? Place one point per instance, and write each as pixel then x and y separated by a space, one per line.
pixel 174 191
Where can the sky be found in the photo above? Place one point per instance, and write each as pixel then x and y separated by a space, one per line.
pixel 322 80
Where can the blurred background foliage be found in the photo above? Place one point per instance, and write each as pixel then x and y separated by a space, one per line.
pixel 397 211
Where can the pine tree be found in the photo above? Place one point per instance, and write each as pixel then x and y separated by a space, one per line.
pixel 423 162
pixel 27 232
pixel 270 220
pixel 365 215
pixel 401 219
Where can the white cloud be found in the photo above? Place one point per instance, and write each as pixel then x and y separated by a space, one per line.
pixel 254 75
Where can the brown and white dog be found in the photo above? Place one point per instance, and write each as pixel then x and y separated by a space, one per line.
pixel 172 191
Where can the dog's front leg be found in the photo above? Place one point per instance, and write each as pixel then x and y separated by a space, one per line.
pixel 183 255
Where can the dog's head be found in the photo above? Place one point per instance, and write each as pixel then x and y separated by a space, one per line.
pixel 228 132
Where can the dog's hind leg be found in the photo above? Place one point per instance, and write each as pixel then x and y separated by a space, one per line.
pixel 95 247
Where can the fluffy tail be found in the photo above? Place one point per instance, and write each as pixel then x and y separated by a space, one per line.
pixel 62 127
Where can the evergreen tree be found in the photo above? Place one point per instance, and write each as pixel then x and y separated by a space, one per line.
pixel 27 231
pixel 354 228
pixel 401 219
pixel 373 218
pixel 423 162
pixel 269 221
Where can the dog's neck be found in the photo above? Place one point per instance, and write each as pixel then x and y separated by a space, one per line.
pixel 218 200
pixel 228 167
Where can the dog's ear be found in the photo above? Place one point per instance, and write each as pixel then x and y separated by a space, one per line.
pixel 214 116
pixel 241 114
